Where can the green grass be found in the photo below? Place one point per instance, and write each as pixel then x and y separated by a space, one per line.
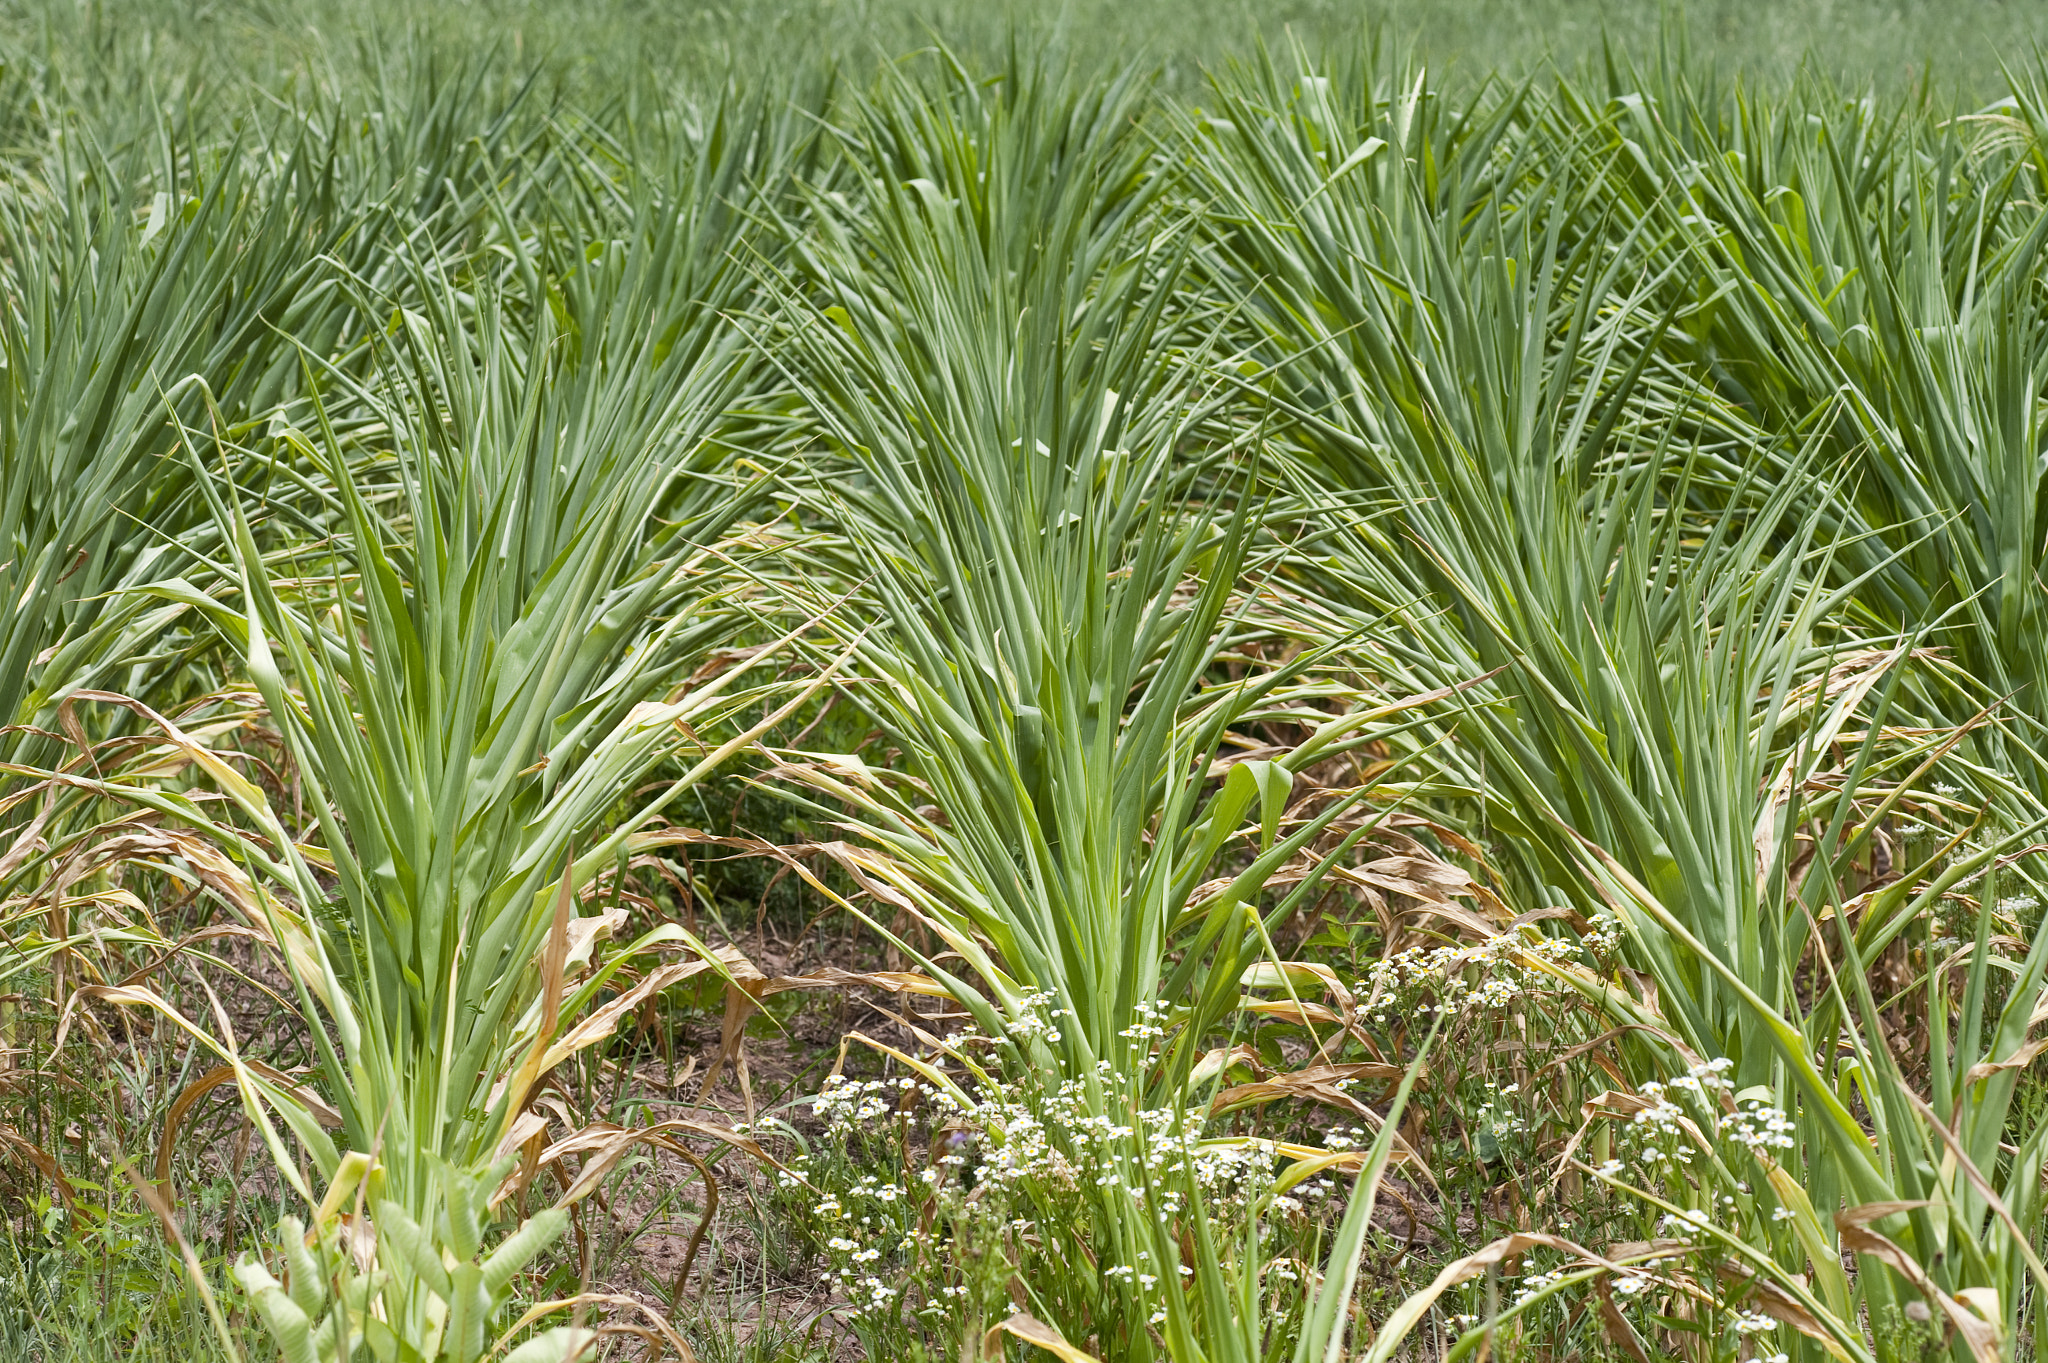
pixel 1902 47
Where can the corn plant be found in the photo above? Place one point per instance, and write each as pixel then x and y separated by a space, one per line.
pixel 1668 699
pixel 505 635
pixel 1040 591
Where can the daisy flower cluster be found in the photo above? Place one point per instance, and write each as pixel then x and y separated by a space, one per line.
pixel 847 1105
pixel 1478 976
pixel 1661 1128
pixel 1494 1116
pixel 1759 1127
pixel 1696 1139
pixel 1038 1017
pixel 1638 1288
pixel 1531 1284
pixel 1699 1142
pixel 1693 1108
pixel 1605 938
pixel 925 1200
pixel 1151 1023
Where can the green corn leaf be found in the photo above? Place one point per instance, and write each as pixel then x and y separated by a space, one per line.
pixel 518 1249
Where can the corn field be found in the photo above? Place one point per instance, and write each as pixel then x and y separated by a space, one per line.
pixel 989 707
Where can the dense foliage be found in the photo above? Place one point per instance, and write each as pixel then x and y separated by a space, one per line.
pixel 992 710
